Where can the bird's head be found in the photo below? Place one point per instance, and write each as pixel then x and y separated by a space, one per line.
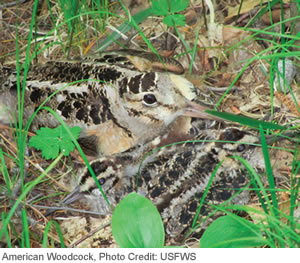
pixel 108 176
pixel 151 101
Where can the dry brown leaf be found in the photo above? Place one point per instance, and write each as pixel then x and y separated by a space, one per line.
pixel 284 205
pixel 259 216
pixel 276 14
pixel 225 79
pixel 232 35
pixel 235 110
pixel 76 229
pixel 203 55
pixel 247 6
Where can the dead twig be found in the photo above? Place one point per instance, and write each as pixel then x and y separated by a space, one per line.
pixel 89 235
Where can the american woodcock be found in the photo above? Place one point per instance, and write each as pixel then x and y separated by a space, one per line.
pixel 117 98
pixel 174 178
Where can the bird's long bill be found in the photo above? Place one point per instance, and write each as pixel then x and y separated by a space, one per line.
pixel 193 109
pixel 70 198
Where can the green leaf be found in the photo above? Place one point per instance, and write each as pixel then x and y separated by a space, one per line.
pixel 179 5
pixel 231 231
pixel 246 121
pixel 174 20
pixel 136 223
pixel 160 7
pixel 53 141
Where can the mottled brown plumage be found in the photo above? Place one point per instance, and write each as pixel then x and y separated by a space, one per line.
pixel 117 98
pixel 174 178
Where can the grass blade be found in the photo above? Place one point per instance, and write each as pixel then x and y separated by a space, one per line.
pixel 6 231
pixel 25 235
pixel 125 27
pixel 5 173
pixel 60 235
pixel 25 192
pixel 269 171
pixel 246 121
pixel 256 182
pixel 262 12
pixel 205 193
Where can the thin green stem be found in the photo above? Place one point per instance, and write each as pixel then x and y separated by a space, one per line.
pixel 27 189
pixel 25 235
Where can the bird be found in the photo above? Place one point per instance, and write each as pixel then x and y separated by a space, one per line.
pixel 119 99
pixel 174 178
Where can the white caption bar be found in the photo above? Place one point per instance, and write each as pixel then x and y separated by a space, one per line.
pixel 165 255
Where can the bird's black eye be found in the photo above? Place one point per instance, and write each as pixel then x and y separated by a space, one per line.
pixel 241 148
pixel 101 181
pixel 149 99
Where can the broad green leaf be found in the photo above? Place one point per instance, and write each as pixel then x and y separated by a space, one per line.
pixel 45 140
pixel 160 7
pixel 53 141
pixel 246 121
pixel 231 231
pixel 179 5
pixel 136 223
pixel 174 20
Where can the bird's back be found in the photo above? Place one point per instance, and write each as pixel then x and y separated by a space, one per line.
pixel 92 93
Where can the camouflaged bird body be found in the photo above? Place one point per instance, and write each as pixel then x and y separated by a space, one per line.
pixel 102 95
pixel 174 178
